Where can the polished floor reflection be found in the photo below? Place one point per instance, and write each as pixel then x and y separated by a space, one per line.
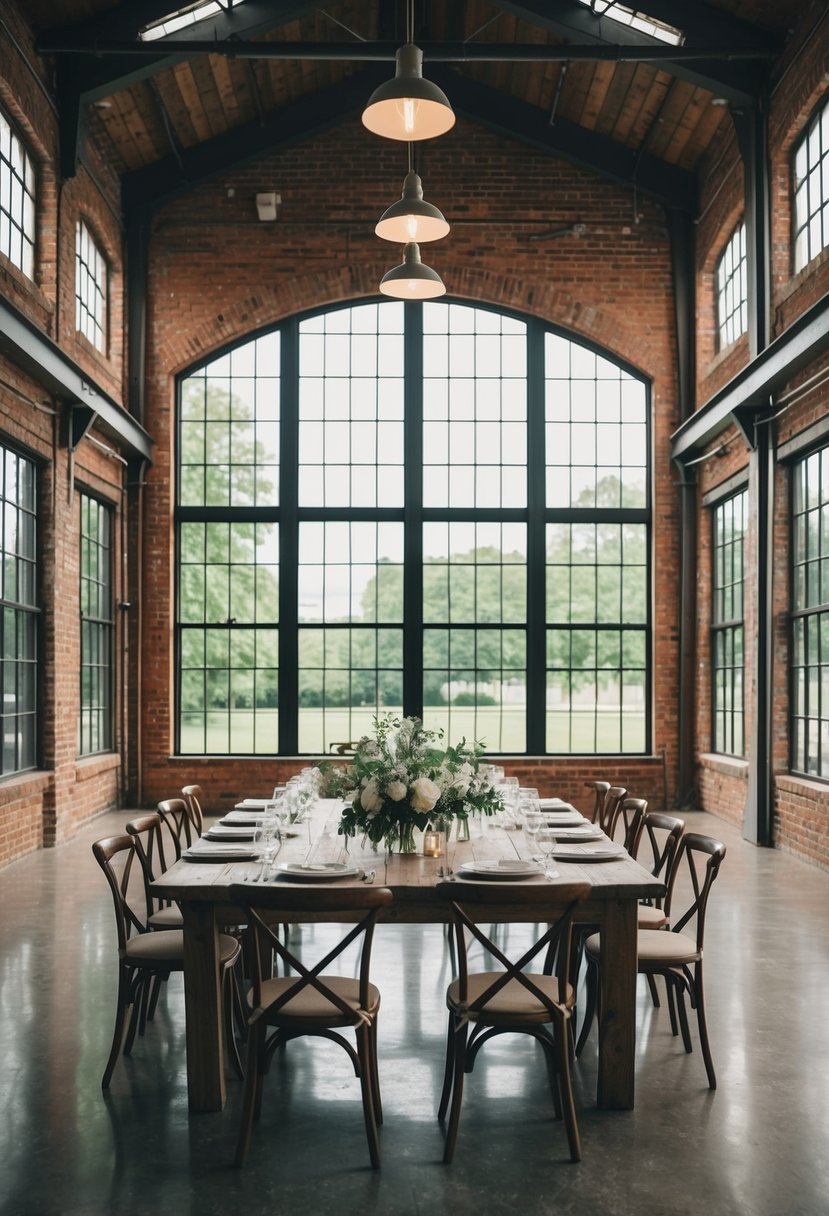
pixel 755 1147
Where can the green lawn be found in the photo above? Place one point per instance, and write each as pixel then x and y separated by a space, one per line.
pixel 500 730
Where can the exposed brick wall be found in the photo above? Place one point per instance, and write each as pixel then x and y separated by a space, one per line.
pixel 800 806
pixel 223 275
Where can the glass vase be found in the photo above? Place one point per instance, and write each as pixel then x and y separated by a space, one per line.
pixel 402 839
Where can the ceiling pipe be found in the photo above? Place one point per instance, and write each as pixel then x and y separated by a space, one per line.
pixel 435 52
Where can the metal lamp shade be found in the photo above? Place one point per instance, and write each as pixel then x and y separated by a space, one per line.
pixel 408 107
pixel 412 280
pixel 412 218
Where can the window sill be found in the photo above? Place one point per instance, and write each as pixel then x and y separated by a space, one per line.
pixel 728 766
pixel 89 767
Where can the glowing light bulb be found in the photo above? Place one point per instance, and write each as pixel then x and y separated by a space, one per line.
pixel 409 111
pixel 411 227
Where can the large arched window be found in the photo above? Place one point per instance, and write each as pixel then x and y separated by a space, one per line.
pixel 434 509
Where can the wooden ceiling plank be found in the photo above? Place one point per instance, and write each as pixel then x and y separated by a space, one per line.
pixel 602 80
pixel 189 89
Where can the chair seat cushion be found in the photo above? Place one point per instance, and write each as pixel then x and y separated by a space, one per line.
pixel 166 918
pixel 659 949
pixel 650 918
pixel 513 1003
pixel 311 1006
pixel 165 949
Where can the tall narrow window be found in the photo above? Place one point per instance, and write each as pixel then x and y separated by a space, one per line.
pixel 369 506
pixel 811 190
pixel 810 615
pixel 732 305
pixel 17 200
pixel 18 656
pixel 97 628
pixel 727 625
pixel 90 288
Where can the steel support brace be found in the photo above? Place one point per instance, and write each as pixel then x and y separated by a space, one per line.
pixel 682 257
pixel 758 817
pixel 751 127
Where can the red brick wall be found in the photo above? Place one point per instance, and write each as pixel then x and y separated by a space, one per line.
pixel 217 274
pixel 800 805
pixel 43 807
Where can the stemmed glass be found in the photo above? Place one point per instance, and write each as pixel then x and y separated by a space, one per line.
pixel 547 844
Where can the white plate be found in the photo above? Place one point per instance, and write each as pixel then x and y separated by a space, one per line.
pixel 219 854
pixel 253 804
pixel 562 819
pixel 323 872
pixel 586 852
pixel 589 832
pixel 242 819
pixel 555 804
pixel 233 831
pixel 502 869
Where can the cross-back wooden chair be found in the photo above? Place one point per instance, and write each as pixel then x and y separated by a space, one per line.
pixel 145 956
pixel 514 999
pixel 614 798
pixel 660 834
pixel 148 832
pixel 674 954
pixel 176 816
pixel 627 821
pixel 307 1000
pixel 193 796
pixel 599 789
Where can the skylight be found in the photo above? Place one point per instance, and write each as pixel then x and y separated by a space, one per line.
pixel 189 15
pixel 636 20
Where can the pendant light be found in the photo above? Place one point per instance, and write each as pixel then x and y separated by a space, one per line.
pixel 412 280
pixel 411 218
pixel 408 107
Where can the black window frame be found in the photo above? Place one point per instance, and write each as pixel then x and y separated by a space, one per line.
pixel 801 187
pixel 809 621
pixel 288 515
pixel 91 287
pixel 21 192
pixel 732 316
pixel 728 632
pixel 96 666
pixel 20 614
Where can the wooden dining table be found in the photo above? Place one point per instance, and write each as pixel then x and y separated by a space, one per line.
pixel 202 891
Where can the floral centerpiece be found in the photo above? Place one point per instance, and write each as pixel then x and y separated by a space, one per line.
pixel 401 778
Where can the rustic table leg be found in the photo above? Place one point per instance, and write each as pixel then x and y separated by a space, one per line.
pixel 203 1008
pixel 617 1007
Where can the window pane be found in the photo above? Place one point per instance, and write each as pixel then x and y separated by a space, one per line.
pixel 17 210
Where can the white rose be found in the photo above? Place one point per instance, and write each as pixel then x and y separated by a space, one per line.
pixel 396 790
pixel 462 779
pixel 370 799
pixel 426 794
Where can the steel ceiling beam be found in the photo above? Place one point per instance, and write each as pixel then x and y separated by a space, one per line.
pixel 702 25
pixel 320 111
pixel 749 392
pixel 665 183
pixel 168 178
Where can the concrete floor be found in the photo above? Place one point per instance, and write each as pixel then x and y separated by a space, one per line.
pixel 755 1147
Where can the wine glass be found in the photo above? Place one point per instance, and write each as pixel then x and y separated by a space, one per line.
pixel 547 845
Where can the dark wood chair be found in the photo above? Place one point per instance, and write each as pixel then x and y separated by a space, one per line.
pixel 661 834
pixel 307 1000
pixel 194 801
pixel 513 999
pixel 599 789
pixel 148 833
pixel 145 956
pixel 673 954
pixel 627 820
pixel 615 796
pixel 177 819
